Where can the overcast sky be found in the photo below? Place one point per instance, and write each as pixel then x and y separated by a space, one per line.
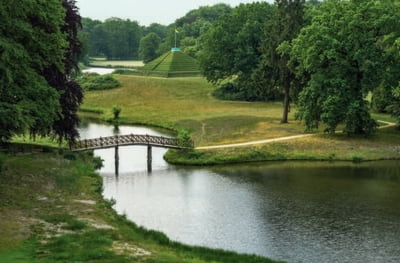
pixel 146 11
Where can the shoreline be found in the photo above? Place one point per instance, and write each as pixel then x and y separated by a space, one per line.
pixel 258 151
pixel 62 218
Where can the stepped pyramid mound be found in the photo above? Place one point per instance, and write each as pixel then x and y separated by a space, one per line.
pixel 172 64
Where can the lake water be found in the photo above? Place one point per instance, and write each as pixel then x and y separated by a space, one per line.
pixel 292 211
pixel 100 71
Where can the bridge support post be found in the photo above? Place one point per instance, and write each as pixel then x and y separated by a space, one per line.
pixel 116 156
pixel 149 158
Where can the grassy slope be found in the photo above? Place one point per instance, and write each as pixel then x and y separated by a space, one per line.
pixel 51 210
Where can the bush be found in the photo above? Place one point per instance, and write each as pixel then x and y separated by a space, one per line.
pixel 92 81
pixel 116 111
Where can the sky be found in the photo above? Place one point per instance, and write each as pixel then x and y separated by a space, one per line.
pixel 146 12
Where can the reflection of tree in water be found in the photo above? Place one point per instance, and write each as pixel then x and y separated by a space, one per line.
pixel 116 130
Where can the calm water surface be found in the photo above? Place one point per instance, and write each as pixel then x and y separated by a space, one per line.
pixel 297 212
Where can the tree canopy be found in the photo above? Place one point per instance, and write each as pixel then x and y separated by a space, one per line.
pixel 231 46
pixel 114 38
pixel 38 39
pixel 148 49
pixel 343 52
pixel 274 71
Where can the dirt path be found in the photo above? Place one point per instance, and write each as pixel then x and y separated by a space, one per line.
pixel 388 124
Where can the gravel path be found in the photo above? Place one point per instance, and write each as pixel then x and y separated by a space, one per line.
pixel 388 124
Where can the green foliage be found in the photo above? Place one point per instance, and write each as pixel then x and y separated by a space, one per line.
pixel 247 90
pixel 185 139
pixel 38 49
pixel 341 53
pixel 30 40
pixel 281 29
pixel 381 99
pixel 231 49
pixel 116 111
pixel 394 108
pixel 94 81
pixel 114 38
pixel 192 27
pixel 148 49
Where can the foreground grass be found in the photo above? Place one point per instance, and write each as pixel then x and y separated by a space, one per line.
pixel 52 210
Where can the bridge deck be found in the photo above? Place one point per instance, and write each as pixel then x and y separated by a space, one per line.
pixel 131 139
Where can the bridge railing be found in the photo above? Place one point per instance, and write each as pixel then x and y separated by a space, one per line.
pixel 131 139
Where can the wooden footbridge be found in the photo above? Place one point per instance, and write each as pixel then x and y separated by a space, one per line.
pixel 131 139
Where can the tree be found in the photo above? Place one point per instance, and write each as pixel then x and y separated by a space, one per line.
pixel 36 41
pixel 71 94
pixel 148 47
pixel 283 27
pixel 191 27
pixel 342 52
pixel 159 29
pixel 30 40
pixel 231 46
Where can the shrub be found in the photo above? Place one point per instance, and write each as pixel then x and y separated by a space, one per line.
pixel 116 111
pixel 96 82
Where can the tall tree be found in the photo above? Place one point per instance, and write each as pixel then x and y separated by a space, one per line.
pixel 231 46
pixel 284 26
pixel 148 48
pixel 71 94
pixel 38 52
pixel 30 40
pixel 342 50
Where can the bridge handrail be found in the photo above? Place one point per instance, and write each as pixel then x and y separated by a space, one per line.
pixel 131 139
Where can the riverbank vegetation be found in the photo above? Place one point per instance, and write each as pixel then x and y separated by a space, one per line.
pixel 52 211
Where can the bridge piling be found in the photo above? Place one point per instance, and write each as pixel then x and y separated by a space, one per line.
pixel 116 156
pixel 149 158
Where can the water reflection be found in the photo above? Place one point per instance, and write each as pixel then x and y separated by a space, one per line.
pixel 298 212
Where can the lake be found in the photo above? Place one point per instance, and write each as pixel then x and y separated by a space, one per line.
pixel 291 211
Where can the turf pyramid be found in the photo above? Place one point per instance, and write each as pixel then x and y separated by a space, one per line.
pixel 172 64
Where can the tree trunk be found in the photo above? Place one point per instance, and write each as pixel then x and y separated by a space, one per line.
pixel 286 103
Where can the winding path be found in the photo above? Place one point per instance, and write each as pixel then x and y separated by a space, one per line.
pixel 388 124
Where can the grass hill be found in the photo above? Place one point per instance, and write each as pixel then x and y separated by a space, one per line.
pixel 172 64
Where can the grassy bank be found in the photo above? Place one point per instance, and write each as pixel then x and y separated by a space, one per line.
pixel 383 146
pixel 52 210
pixel 186 103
